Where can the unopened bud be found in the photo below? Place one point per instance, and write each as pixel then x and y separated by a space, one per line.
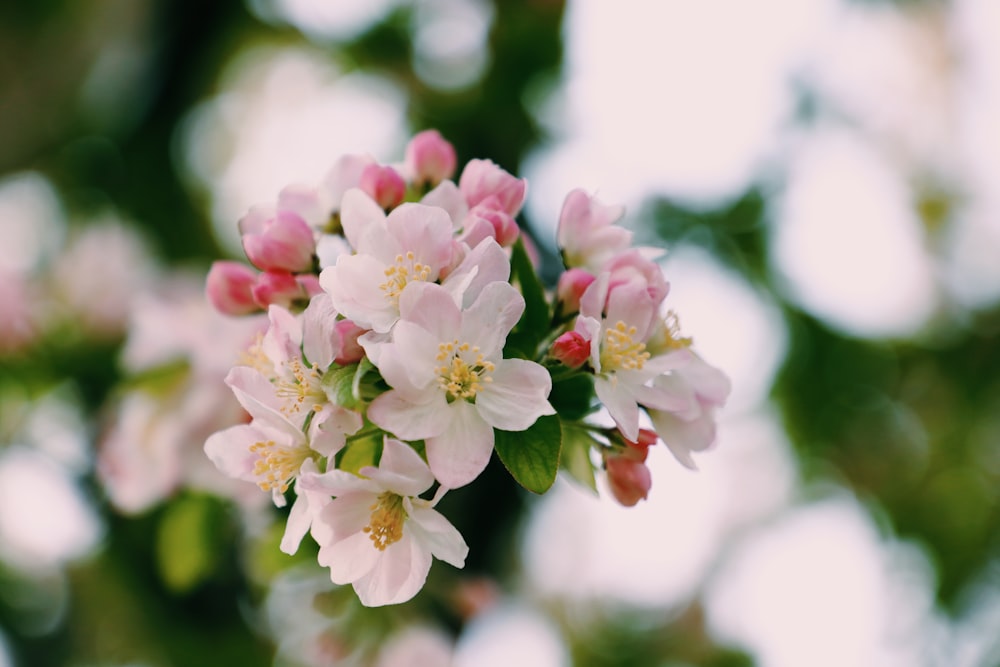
pixel 629 480
pixel 384 185
pixel 229 288
pixel 277 240
pixel 572 349
pixel 571 286
pixel 430 158
pixel 277 288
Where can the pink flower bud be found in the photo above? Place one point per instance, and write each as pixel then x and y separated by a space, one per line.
pixel 629 480
pixel 229 288
pixel 482 179
pixel 277 288
pixel 350 351
pixel 639 450
pixel 571 286
pixel 310 284
pixel 384 185
pixel 277 240
pixel 572 349
pixel 488 219
pixel 430 158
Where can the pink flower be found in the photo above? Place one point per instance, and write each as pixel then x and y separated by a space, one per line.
pixel 411 245
pixel 384 185
pixel 429 158
pixel 587 233
pixel 277 240
pixel 229 288
pixel 377 534
pixel 482 178
pixel 451 385
pixel 690 427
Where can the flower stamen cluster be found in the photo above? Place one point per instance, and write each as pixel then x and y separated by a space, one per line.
pixel 385 527
pixel 620 351
pixel 399 275
pixel 462 379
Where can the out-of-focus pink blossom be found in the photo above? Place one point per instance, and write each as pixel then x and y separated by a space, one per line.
pixel 277 240
pixel 17 326
pixel 571 349
pixel 384 185
pixel 483 178
pixel 229 288
pixel 571 286
pixel 430 158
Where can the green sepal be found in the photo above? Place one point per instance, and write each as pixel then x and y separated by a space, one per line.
pixel 532 456
pixel 360 451
pixel 338 383
pixel 533 326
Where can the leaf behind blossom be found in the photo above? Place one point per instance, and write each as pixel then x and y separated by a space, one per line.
pixel 534 324
pixel 532 456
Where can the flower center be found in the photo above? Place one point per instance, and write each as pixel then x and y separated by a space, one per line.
pixel 255 358
pixel 385 526
pixel 620 351
pixel 401 273
pixel 301 384
pixel 464 371
pixel 277 465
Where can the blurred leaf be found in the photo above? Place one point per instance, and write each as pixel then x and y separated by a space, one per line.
pixel 576 445
pixel 534 323
pixel 360 452
pixel 188 540
pixel 532 456
pixel 338 383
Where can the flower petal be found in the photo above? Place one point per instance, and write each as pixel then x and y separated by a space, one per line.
pixel 621 405
pixel 434 532
pixel 397 576
pixel 400 470
pixel 490 318
pixel 458 454
pixel 517 396
pixel 410 420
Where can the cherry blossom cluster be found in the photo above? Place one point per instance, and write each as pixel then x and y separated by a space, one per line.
pixel 409 338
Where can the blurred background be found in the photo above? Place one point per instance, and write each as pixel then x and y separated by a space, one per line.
pixel 823 174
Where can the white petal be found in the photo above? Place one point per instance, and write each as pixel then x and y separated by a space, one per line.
pixel 488 321
pixel 424 230
pixel 447 196
pixel 484 264
pixel 229 450
pixel 299 520
pixel 354 286
pixel 436 533
pixel 621 405
pixel 431 307
pixel 401 470
pixel 683 437
pixel 256 394
pixel 517 396
pixel 409 361
pixel 397 576
pixel 358 212
pixel 408 420
pixel 320 338
pixel 461 452
pixel 349 558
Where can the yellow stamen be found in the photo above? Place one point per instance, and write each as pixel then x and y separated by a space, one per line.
pixel 459 377
pixel 620 351
pixel 385 526
pixel 405 270
pixel 277 465
pixel 304 383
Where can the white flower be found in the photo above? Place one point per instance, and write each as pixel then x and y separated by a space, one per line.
pixel 376 533
pixel 450 384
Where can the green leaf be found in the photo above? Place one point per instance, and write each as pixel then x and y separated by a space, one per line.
pixel 573 396
pixel 532 456
pixel 575 460
pixel 338 383
pixel 188 541
pixel 534 323
pixel 360 452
